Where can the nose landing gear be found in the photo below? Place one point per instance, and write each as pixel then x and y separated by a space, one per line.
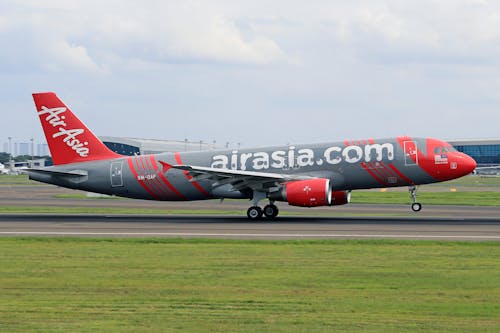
pixel 415 206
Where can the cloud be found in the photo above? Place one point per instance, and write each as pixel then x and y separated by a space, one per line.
pixel 342 67
pixel 98 36
pixel 423 32
pixel 91 35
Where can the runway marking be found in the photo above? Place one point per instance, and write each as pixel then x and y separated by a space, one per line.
pixel 188 234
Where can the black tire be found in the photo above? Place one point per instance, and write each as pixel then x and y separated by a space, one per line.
pixel 254 213
pixel 416 207
pixel 271 211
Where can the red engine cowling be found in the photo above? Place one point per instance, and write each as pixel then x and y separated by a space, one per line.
pixel 308 193
pixel 341 198
pixel 311 193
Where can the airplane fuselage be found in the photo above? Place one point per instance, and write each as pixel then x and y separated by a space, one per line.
pixel 360 164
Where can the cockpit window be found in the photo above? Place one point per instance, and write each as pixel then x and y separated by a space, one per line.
pixel 445 149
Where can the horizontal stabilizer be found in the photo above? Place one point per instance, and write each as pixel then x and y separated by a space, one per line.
pixel 74 173
pixel 51 176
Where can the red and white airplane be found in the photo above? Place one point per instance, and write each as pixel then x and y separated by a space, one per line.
pixel 306 175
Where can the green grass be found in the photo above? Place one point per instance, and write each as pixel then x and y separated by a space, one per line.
pixel 17 180
pixel 428 198
pixel 474 180
pixel 173 285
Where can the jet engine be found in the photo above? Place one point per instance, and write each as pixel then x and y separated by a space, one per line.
pixel 341 198
pixel 305 193
pixel 310 193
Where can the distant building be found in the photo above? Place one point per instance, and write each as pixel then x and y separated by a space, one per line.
pixel 15 168
pixel 135 146
pixel 42 149
pixel 484 151
pixel 24 148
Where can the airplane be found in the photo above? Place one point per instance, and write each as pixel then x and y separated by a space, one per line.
pixel 3 170
pixel 305 175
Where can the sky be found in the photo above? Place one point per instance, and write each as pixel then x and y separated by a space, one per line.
pixel 254 72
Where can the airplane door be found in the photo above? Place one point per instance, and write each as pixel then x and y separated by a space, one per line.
pixel 411 153
pixel 116 174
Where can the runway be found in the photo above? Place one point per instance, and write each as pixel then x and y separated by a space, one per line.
pixel 470 229
pixel 349 221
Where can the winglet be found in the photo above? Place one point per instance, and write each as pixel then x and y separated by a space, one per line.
pixel 69 140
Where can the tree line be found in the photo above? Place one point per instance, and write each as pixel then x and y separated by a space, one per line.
pixel 5 157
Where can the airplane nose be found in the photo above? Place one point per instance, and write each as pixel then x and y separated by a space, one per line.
pixel 467 164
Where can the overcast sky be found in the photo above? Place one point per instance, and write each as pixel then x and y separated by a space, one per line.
pixel 255 72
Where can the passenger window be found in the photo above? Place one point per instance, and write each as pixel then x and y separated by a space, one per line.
pixel 437 150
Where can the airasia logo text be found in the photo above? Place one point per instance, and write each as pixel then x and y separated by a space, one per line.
pixel 294 157
pixel 69 136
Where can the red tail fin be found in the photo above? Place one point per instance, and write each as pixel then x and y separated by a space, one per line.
pixel 69 140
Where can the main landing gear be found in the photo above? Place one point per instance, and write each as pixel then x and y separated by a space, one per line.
pixel 415 206
pixel 256 213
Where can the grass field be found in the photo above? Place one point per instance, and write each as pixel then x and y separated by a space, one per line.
pixel 16 180
pixel 428 198
pixel 172 285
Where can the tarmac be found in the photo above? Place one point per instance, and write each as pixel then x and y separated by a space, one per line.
pixel 468 223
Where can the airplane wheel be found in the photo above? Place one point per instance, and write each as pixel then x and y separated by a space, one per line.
pixel 271 211
pixel 416 207
pixel 254 213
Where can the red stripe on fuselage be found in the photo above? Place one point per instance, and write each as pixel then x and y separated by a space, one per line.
pixel 377 167
pixel 156 182
pixel 141 182
pixel 364 166
pixel 195 184
pixel 403 177
pixel 144 171
pixel 385 173
pixel 166 182
pixel 393 172
pixel 388 171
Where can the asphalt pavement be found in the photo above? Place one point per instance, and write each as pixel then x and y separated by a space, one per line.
pixel 349 221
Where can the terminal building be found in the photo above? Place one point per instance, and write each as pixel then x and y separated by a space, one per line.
pixel 135 146
pixel 486 152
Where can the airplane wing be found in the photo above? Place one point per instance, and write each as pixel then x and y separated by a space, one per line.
pixel 238 179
